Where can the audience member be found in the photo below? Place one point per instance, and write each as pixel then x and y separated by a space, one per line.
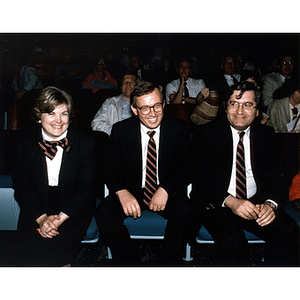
pixel 238 191
pixel 54 182
pixel 136 66
pixel 184 89
pixel 26 79
pixel 132 189
pixel 25 84
pixel 272 82
pixel 116 108
pixel 67 72
pixel 282 111
pixel 44 70
pixel 224 80
pixel 100 79
pixel 242 63
pixel 270 65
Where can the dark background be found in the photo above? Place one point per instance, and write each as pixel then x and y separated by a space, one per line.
pixel 207 48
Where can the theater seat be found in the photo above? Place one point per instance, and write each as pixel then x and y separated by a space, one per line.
pixel 204 237
pixel 92 234
pixel 9 208
pixel 149 226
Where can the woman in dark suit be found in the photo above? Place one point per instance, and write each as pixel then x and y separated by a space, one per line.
pixel 54 183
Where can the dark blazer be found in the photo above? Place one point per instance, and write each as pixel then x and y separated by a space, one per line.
pixel 76 179
pixel 212 157
pixel 124 156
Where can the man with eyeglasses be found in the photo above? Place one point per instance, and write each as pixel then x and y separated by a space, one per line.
pixel 116 108
pixel 242 187
pixel 273 84
pixel 282 112
pixel 146 169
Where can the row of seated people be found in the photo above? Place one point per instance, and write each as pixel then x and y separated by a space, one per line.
pixel 149 161
pixel 279 87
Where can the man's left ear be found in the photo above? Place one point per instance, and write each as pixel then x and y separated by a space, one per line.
pixel 134 110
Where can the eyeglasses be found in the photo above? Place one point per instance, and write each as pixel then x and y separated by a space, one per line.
pixel 158 107
pixel 287 62
pixel 248 106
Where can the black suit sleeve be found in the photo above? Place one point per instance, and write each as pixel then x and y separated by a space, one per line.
pixel 29 169
pixel 78 177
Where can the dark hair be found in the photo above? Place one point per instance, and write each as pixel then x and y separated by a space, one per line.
pixel 282 56
pixel 183 59
pixel 128 73
pixel 48 99
pixel 223 58
pixel 144 88
pixel 244 86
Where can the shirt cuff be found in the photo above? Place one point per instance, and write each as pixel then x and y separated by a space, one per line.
pixel 223 204
pixel 272 201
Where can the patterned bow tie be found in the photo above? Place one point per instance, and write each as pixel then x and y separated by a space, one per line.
pixel 50 148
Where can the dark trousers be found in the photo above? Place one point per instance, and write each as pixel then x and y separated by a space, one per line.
pixel 34 250
pixel 226 228
pixel 110 220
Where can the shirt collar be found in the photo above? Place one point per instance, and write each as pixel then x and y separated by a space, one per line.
pixel 236 132
pixel 145 129
pixel 284 78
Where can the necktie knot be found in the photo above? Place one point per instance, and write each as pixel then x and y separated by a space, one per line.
pixel 151 133
pixel 50 148
pixel 241 134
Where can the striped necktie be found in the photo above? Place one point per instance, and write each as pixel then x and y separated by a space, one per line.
pixel 241 190
pixel 50 148
pixel 151 181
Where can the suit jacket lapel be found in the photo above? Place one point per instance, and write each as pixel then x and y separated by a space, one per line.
pixel 255 148
pixel 135 148
pixel 38 165
pixel 67 159
pixel 225 142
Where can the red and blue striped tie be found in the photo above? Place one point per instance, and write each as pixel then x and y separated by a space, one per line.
pixel 151 180
pixel 241 190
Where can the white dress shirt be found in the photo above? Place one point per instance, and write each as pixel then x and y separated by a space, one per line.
pixel 145 139
pixel 194 87
pixel 53 166
pixel 229 78
pixel 250 181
